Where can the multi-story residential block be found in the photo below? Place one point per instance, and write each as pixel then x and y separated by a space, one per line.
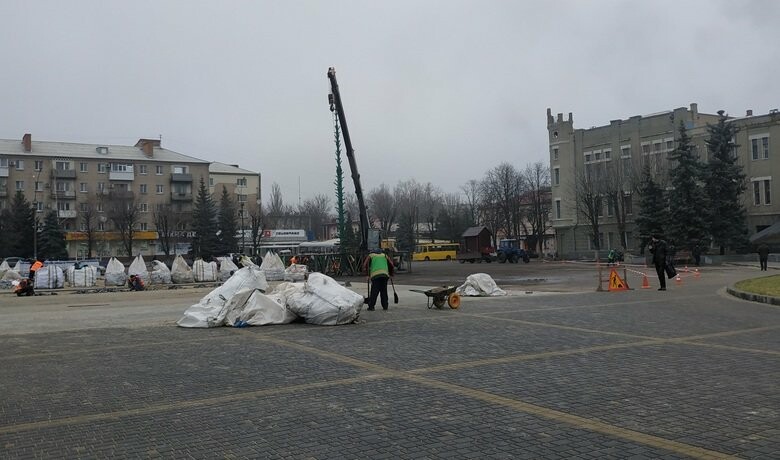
pixel 76 180
pixel 244 186
pixel 623 147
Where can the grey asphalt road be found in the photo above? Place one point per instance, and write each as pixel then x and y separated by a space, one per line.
pixel 553 370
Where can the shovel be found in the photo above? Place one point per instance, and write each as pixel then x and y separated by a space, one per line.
pixel 368 291
pixel 395 295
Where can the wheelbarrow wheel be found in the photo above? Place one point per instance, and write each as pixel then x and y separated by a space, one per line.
pixel 439 302
pixel 454 300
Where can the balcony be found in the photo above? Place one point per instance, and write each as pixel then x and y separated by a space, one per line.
pixel 181 177
pixel 63 194
pixel 3 171
pixel 121 175
pixel 121 195
pixel 66 214
pixel 181 196
pixel 64 173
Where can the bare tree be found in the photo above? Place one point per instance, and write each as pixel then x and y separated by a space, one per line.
pixel 317 212
pixel 124 214
pixel 89 222
pixel 255 226
pixel 383 207
pixel 589 201
pixel 408 196
pixel 537 204
pixel 167 225
pixel 501 190
pixel 429 208
pixel 471 192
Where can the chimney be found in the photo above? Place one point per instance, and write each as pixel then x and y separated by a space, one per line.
pixel 27 141
pixel 694 109
pixel 749 113
pixel 148 145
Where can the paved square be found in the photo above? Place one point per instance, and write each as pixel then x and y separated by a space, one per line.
pixel 689 373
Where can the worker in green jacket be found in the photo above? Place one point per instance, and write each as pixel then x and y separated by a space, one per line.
pixel 379 268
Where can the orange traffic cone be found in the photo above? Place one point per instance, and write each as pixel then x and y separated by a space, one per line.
pixel 685 269
pixel 645 283
pixel 696 273
pixel 678 280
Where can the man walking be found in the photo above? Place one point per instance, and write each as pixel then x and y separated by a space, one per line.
pixel 763 255
pixel 379 268
pixel 657 247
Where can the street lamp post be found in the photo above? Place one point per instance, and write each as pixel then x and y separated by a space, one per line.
pixel 243 233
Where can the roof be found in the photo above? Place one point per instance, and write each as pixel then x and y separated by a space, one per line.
pixel 767 235
pixel 473 231
pixel 222 168
pixel 89 151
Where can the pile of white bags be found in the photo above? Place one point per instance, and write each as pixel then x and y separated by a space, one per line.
pixel 210 311
pixel 273 267
pixel 6 282
pixel 226 268
pixel 83 277
pixel 49 277
pixel 115 273
pixel 180 271
pixel 295 272
pixel 4 267
pixel 247 262
pixel 241 302
pixel 160 273
pixel 203 271
pixel 480 285
pixel 138 268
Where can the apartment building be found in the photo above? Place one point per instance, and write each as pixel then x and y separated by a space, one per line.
pixel 623 147
pixel 73 179
pixel 242 184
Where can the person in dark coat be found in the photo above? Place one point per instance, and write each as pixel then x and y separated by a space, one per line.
pixel 657 248
pixel 763 255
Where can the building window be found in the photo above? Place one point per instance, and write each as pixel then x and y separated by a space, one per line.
pixel 143 226
pixel 556 176
pixel 555 153
pixel 159 170
pixel 628 204
pixel 180 170
pixel 143 189
pixel 63 206
pixel 20 185
pixel 759 147
pixel 20 165
pixel 142 169
pixel 756 193
pixel 767 191
pixel 211 181
pixel 610 210
pixel 557 209
pixel 587 158
pixel 597 155
pixel 83 187
pixel 39 206
pixel 62 165
pixel 762 190
pixel 144 207
pixel 607 155
pixel 625 151
pixel 120 167
pixel 669 145
pixel 241 198
pixel 38 165
pixel 39 186
pixel 645 148
pixel 101 186
pixel 101 226
pixel 656 147
pixel 83 207
pixel 83 167
pixel 101 168
pixel 99 207
pixel 241 182
pixel 159 189
pixel 62 186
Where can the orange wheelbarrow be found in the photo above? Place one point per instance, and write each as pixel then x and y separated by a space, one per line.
pixel 438 296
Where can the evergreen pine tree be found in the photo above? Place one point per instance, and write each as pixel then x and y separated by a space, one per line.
pixel 688 225
pixel 204 225
pixel 21 225
pixel 652 208
pixel 349 243
pixel 405 239
pixel 725 183
pixel 340 208
pixel 51 240
pixel 228 224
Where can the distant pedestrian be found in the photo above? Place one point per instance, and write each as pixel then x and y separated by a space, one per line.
pixel 657 248
pixel 379 268
pixel 763 255
pixel 696 254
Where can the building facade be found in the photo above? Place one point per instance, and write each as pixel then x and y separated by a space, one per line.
pixel 622 148
pixel 77 180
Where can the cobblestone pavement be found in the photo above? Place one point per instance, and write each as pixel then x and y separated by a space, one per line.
pixel 687 373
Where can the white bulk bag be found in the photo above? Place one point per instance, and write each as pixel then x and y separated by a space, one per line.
pixel 83 277
pixel 49 277
pixel 210 310
pixel 115 273
pixel 480 284
pixel 203 271
pixel 180 271
pixel 160 273
pixel 295 272
pixel 226 268
pixel 251 307
pixel 324 301
pixel 138 268
pixel 273 267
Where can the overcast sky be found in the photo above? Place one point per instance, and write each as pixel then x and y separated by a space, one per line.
pixel 438 91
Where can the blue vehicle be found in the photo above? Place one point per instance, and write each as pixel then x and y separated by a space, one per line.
pixel 510 250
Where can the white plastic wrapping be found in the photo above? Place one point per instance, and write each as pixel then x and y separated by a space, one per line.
pixel 203 271
pixel 160 273
pixel 295 272
pixel 115 273
pixel 479 285
pixel 11 275
pixel 253 308
pixel 83 277
pixel 325 302
pixel 273 267
pixel 180 271
pixel 138 268
pixel 210 311
pixel 226 268
pixel 49 277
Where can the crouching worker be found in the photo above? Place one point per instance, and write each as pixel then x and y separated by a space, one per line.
pixel 25 287
pixel 135 283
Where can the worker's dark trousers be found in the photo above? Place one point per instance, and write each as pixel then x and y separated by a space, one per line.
pixel 378 286
pixel 659 269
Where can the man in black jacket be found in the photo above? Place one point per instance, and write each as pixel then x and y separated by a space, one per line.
pixel 657 247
